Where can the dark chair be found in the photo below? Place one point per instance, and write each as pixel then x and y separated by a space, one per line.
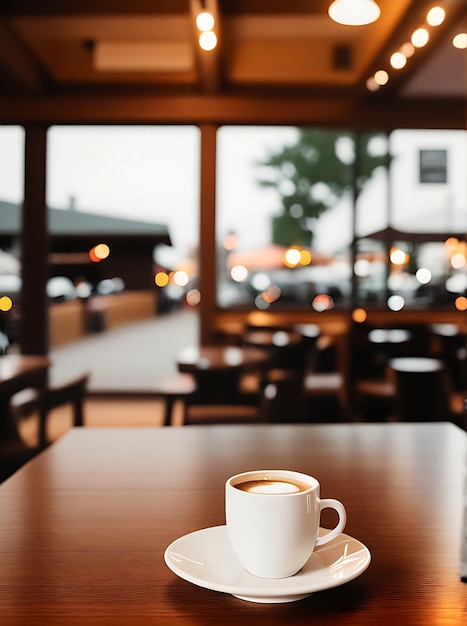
pixel 286 347
pixel 279 401
pixel 373 399
pixel 422 389
pixel 325 390
pixel 69 392
pixel 180 387
pixel 373 389
pixel 14 453
pixel 449 343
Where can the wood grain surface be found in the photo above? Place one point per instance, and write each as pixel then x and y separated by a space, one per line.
pixel 84 526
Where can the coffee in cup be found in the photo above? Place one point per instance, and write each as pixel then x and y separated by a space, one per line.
pixel 273 520
pixel 272 486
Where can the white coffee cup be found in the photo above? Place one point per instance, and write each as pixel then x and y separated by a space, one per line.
pixel 273 520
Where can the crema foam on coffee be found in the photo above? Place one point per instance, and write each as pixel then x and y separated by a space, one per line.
pixel 272 486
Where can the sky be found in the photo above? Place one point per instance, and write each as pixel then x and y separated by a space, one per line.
pixel 151 173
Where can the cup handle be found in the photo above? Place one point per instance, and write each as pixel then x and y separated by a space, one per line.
pixel 339 507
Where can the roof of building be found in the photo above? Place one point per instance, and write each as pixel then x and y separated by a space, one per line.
pixel 73 223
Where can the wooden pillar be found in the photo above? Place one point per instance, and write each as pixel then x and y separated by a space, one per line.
pixel 34 244
pixel 207 233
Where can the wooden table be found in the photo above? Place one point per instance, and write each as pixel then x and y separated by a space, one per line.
pixel 217 369
pixel 84 526
pixel 17 372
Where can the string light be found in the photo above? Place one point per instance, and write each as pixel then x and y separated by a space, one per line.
pixel 419 38
pixel 205 23
pixel 398 60
pixel 208 40
pixel 435 16
pixel 460 41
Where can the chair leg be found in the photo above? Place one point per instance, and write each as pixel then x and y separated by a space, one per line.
pixel 78 413
pixel 42 426
pixel 169 403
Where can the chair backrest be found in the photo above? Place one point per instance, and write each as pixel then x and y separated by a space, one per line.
pixel 282 396
pixel 422 389
pixel 71 392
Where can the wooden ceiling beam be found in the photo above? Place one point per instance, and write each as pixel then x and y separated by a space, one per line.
pixel 91 7
pixel 221 109
pixel 17 68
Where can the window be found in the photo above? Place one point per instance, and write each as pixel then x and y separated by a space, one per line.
pixel 291 200
pixel 433 166
pixel 285 216
pixel 133 178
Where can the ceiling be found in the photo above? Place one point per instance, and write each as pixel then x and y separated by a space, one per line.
pixel 264 47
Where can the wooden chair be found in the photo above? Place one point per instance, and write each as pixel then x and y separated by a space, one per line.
pixel 324 383
pixel 69 392
pixel 279 401
pixel 180 387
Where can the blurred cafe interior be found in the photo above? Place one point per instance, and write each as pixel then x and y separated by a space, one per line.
pixel 295 184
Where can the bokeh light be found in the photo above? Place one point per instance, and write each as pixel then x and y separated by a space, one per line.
pixel 359 315
pixel 207 40
pixel 181 278
pixel 407 49
pixel 260 303
pixel 398 256
pixel 99 252
pixel 305 257
pixel 272 293
pixel 6 303
pixel 423 275
pixel 205 21
pixel 239 273
pixel 396 303
pixel 193 297
pixel 398 60
pixel 420 37
pixel 461 303
pixel 371 84
pixel 292 257
pixel 435 16
pixel 458 260
pixel 459 41
pixel 381 77
pixel 322 302
pixel 161 279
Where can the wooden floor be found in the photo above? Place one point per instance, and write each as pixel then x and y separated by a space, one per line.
pixel 101 412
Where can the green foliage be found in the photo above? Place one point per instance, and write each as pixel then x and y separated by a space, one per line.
pixel 311 175
pixel 287 232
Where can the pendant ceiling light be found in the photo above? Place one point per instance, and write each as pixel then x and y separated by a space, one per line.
pixel 354 12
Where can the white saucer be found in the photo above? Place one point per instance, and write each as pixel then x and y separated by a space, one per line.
pixel 206 558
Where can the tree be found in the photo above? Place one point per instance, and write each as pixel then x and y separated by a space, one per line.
pixel 311 175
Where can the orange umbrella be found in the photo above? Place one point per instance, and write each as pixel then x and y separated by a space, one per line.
pixel 268 258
